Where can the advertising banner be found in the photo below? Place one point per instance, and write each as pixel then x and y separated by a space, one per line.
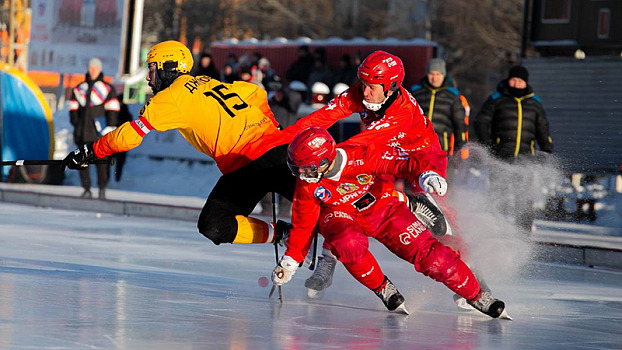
pixel 66 34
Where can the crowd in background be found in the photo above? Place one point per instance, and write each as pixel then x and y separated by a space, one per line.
pixel 309 76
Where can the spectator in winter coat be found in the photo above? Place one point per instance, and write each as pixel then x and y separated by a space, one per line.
pixel 301 68
pixel 91 99
pixel 228 74
pixel 510 123
pixel 267 73
pixel 207 67
pixel 284 109
pixel 346 72
pixel 442 105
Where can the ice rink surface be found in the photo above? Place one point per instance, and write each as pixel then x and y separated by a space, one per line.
pixel 77 280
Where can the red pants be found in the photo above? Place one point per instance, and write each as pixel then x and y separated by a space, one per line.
pixel 392 224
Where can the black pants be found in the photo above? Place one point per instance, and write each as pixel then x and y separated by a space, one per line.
pixel 103 172
pixel 120 160
pixel 238 192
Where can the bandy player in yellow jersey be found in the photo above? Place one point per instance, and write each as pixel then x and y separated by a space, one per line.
pixel 231 123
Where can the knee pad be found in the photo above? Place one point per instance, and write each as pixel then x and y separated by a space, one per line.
pixel 349 250
pixel 439 264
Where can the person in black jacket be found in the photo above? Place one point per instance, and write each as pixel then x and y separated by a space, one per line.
pixel 510 123
pixel 441 103
pixel 207 67
pixel 300 69
pixel 91 99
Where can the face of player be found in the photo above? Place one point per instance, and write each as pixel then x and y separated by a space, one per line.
pixel 374 93
pixel 435 79
pixel 151 76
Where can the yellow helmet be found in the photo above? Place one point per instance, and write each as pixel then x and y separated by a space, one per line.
pixel 171 56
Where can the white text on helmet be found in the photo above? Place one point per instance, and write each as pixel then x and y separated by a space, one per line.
pixel 317 142
pixel 390 62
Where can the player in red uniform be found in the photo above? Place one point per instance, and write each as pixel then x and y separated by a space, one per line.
pixel 392 117
pixel 346 189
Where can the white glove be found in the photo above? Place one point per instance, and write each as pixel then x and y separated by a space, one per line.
pixel 432 182
pixel 284 271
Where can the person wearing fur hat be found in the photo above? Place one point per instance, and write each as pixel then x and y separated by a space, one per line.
pixel 511 122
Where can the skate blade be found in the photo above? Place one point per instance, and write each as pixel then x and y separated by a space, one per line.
pixel 314 294
pixel 450 231
pixel 401 310
pixel 504 315
pixel 462 305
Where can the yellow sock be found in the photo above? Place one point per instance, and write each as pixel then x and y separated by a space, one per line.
pixel 251 230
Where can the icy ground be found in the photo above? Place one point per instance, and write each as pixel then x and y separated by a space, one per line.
pixel 75 280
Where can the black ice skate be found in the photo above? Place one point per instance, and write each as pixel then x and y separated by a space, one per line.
pixel 392 298
pixel 429 213
pixel 462 303
pixel 322 276
pixel 492 307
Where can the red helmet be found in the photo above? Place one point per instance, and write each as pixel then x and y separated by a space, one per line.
pixel 310 153
pixel 380 67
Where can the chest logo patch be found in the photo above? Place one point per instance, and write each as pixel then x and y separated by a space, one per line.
pixel 363 179
pixel 346 188
pixel 322 194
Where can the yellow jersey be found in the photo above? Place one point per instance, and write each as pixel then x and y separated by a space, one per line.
pixel 231 123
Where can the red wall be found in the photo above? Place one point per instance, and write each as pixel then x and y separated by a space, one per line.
pixel 281 56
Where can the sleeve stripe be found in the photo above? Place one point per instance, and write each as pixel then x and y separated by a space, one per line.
pixel 112 105
pixel 141 125
pixel 73 105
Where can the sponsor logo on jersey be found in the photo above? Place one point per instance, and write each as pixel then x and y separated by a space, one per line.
pixel 412 232
pixel 322 194
pixel 346 188
pixel 364 179
pixel 337 215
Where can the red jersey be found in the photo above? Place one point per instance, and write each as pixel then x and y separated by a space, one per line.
pixel 402 124
pixel 356 189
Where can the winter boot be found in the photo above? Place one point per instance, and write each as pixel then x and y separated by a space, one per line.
pixel 102 193
pixel 485 303
pixel 281 232
pixel 428 212
pixel 391 297
pixel 86 194
pixel 322 276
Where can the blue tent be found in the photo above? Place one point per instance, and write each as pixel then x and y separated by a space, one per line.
pixel 27 130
